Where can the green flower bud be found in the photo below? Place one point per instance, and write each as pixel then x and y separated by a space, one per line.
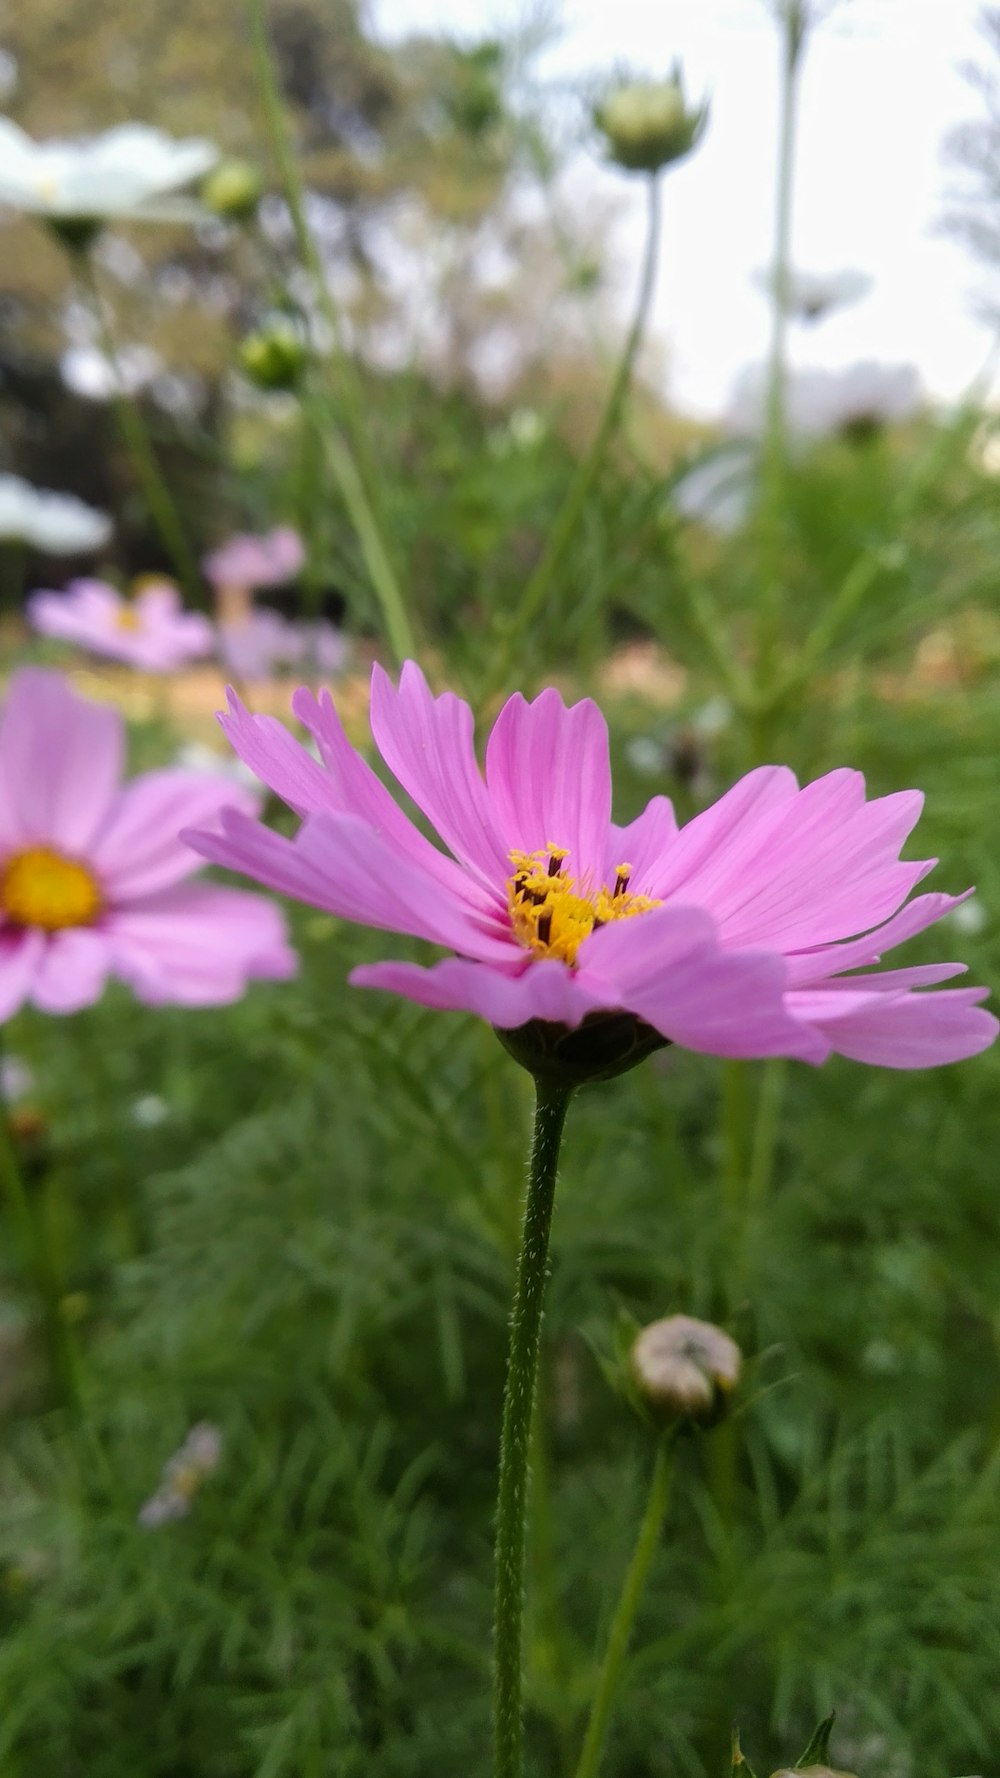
pixel 647 124
pixel 233 189
pixel 685 1369
pixel 275 356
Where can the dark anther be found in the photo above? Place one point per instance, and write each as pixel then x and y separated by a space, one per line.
pixel 545 927
pixel 554 865
pixel 621 882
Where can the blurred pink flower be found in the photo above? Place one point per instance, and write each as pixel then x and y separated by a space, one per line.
pixel 151 631
pixel 93 876
pixel 729 935
pixel 263 643
pixel 249 561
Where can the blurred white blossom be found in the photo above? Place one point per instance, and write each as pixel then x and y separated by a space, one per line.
pixel 811 295
pixel 183 1475
pixel 719 490
pixel 59 524
pixel 820 403
pixel 118 173
pixel 88 372
pixel 16 1079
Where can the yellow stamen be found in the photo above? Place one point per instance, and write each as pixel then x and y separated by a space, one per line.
pixel 39 887
pixel 552 914
pixel 127 618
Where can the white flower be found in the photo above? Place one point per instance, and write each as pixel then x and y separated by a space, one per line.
pixel 95 377
pixel 811 295
pixel 116 174
pixel 58 524
pixel 819 403
pixel 719 490
pixel 183 1475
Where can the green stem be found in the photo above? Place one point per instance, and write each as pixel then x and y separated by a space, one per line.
pixel 771 517
pixel 551 1102
pixel 380 569
pixel 132 426
pixel 765 1133
pixel 564 530
pixel 633 1588
pixel 38 1258
pixel 294 192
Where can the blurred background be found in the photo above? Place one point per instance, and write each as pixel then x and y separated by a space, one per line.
pixel 283 1231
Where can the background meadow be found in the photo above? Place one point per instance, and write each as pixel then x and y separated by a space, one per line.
pixel 291 1222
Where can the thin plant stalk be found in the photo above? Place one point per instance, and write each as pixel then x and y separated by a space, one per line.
pixel 540 582
pixel 159 500
pixel 37 1253
pixel 551 1103
pixel 629 1601
pixel 294 192
pixel 771 516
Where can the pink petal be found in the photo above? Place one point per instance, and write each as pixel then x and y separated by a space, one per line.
pixel 826 960
pixel 20 957
pixel 73 970
pixel 60 762
pixel 798 868
pixel 427 743
pixel 546 989
pixel 549 780
pixel 198 944
pixel 666 966
pixel 643 844
pixel 138 850
pixel 905 1030
pixel 711 851
pixel 354 789
pixel 338 863
pixel 278 759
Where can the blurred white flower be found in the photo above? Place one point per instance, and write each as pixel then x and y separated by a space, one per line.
pixel 811 295
pixel 8 73
pixel 149 1111
pixel 646 756
pixel 196 756
pixel 59 524
pixel 89 373
pixel 16 1079
pixel 116 174
pixel 719 491
pixel 862 397
pixel 969 917
pixel 183 1475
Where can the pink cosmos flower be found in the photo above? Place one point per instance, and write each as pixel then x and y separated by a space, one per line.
pixel 733 935
pixel 93 878
pixel 248 561
pixel 151 631
pixel 263 642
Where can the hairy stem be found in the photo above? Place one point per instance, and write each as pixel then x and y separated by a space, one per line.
pixel 629 1600
pixel 551 1103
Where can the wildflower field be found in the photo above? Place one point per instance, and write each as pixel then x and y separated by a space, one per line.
pixel 499 1265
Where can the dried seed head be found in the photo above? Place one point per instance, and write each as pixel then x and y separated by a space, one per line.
pixel 686 1369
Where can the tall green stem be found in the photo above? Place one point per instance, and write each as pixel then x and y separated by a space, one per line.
pixel 357 478
pixel 132 426
pixel 771 518
pixel 37 1253
pixel 564 530
pixel 629 1601
pixel 551 1102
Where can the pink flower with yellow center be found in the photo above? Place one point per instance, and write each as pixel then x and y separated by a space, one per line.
pixel 93 878
pixel 751 931
pixel 151 630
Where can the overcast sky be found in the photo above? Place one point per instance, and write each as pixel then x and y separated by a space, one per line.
pixel 881 88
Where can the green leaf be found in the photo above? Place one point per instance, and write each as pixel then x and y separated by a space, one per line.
pixel 818 1751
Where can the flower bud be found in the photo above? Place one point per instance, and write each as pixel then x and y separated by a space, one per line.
pixel 685 1369
pixel 233 189
pixel 275 356
pixel 647 124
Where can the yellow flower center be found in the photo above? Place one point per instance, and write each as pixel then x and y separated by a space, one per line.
pixel 39 887
pixel 550 912
pixel 126 618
